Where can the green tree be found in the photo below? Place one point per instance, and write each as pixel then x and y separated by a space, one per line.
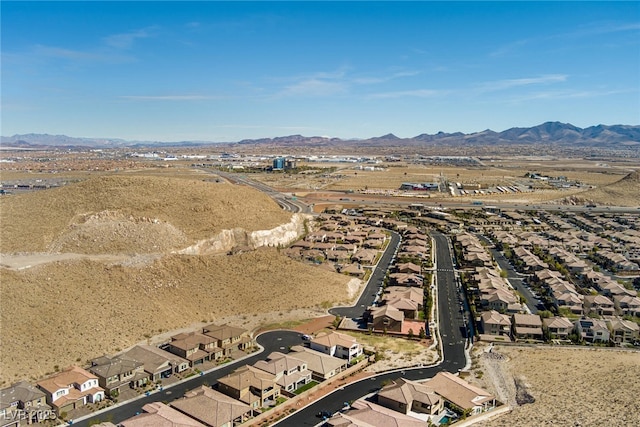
pixel 336 321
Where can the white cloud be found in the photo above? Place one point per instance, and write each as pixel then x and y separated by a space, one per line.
pixel 327 83
pixel 80 55
pixel 126 40
pixel 416 93
pixel 383 79
pixel 511 83
pixel 315 87
pixel 570 94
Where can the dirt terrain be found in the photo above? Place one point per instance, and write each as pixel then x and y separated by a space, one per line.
pixel 560 385
pixel 95 270
pixel 118 214
pixel 624 192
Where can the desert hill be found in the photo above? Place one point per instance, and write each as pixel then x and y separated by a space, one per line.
pixel 69 312
pixel 138 280
pixel 119 214
pixel 625 192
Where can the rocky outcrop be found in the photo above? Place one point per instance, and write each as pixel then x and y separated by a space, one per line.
pixel 227 240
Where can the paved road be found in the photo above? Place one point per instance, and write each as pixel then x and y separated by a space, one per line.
pixel 375 283
pixel 355 199
pixel 271 341
pixel 453 312
pixel 452 326
pixel 515 278
pixel 451 318
pixel 286 202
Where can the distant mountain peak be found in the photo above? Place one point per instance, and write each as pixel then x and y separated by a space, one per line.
pixel 387 137
pixel 551 132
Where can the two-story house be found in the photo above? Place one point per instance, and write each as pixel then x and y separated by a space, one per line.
pixel 229 338
pixel 336 344
pixel 291 372
pixel 156 362
pixel 623 331
pixel 494 323
pixel 195 347
pixel 598 304
pixel 592 330
pixel 526 326
pixel 71 389
pixel 212 408
pixel 114 372
pixel 404 396
pixel 558 327
pixel 157 414
pixel 23 402
pixel 250 385
pixel 386 318
pixel 321 365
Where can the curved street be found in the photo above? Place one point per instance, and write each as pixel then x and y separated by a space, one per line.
pixel 451 324
pixel 452 315
pixel 270 341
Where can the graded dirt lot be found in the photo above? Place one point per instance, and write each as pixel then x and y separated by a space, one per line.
pixel 570 386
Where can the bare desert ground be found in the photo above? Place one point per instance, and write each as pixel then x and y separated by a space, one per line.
pixel 91 268
pixel 603 182
pixel 568 386
pixel 115 214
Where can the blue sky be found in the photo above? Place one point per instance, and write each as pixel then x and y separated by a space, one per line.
pixel 225 71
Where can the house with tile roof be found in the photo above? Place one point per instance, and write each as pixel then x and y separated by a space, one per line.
pixel 290 371
pixel 336 344
pixel 406 396
pixel 157 363
pixel 23 401
pixel 71 389
pixel 195 347
pixel 558 327
pixel 363 413
pixel 251 385
pixel 115 372
pixel 462 394
pixel 321 365
pixel 212 408
pixel 494 323
pixel 157 414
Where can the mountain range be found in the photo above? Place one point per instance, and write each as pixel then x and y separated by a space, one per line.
pixel 555 133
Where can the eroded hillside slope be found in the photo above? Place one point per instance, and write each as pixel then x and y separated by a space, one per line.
pixel 120 214
pixel 64 312
pixel 114 260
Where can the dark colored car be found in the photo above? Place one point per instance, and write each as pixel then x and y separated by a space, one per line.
pixel 324 414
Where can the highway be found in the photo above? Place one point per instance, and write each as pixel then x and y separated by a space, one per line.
pixel 452 326
pixel 270 341
pixel 287 203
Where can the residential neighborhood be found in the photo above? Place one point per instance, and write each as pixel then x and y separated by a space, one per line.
pixel 557 282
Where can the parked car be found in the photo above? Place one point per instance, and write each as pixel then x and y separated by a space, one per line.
pixel 324 415
pixel 306 337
